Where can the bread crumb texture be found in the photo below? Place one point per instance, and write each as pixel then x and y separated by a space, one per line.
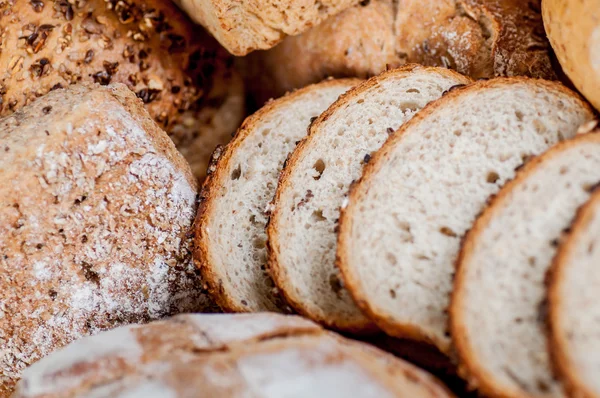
pixel 96 207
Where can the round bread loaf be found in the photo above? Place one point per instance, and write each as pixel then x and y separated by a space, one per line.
pixel 573 28
pixel 230 356
pixel 96 207
pixel 183 76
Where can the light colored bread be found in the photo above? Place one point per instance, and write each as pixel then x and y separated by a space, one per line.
pixel 573 28
pixel 245 26
pixel 258 355
pixel 401 230
pixel 230 228
pixel 184 77
pixel 499 307
pixel 573 304
pixel 478 38
pixel 302 230
pixel 97 207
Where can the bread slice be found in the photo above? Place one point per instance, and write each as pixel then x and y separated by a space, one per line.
pixel 233 356
pixel 230 227
pixel 401 230
pixel 302 230
pixel 499 308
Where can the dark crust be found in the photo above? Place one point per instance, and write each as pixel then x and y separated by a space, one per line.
pixel 361 325
pixel 558 345
pixel 218 173
pixel 469 367
pixel 353 284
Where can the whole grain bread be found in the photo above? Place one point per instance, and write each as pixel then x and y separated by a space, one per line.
pixel 499 307
pixel 258 355
pixel 312 187
pixel 401 227
pixel 245 26
pixel 573 306
pixel 478 38
pixel 230 227
pixel 573 28
pixel 184 77
pixel 97 207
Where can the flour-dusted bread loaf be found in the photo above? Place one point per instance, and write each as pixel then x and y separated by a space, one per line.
pixel 230 228
pixel 95 220
pixel 184 77
pixel 245 26
pixel 478 38
pixel 573 28
pixel 312 187
pixel 499 308
pixel 574 306
pixel 401 228
pixel 244 355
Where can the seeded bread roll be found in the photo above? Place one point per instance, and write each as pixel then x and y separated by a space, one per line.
pixel 478 38
pixel 183 76
pixel 97 206
pixel 231 356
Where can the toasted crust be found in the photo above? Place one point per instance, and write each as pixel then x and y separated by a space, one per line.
pixel 557 342
pixel 218 173
pixel 469 366
pixel 353 284
pixel 361 324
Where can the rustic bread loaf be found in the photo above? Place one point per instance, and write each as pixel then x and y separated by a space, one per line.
pixel 499 305
pixel 302 230
pixel 245 26
pixel 258 355
pixel 401 228
pixel 573 28
pixel 573 304
pixel 183 76
pixel 230 227
pixel 478 38
pixel 97 207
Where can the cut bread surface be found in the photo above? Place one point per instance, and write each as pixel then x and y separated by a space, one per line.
pixel 401 231
pixel 302 231
pixel 231 235
pixel 499 307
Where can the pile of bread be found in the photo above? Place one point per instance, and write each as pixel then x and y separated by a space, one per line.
pixel 427 176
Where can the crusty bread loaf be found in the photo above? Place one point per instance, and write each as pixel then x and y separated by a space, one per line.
pixel 573 304
pixel 573 28
pixel 302 230
pixel 233 213
pixel 499 307
pixel 97 207
pixel 401 230
pixel 478 38
pixel 230 356
pixel 184 77
pixel 245 26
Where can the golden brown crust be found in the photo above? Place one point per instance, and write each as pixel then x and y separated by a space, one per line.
pixel 216 177
pixel 573 28
pixel 469 366
pixel 183 76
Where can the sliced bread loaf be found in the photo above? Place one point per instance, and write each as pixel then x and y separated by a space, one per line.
pixel 302 231
pixel 574 305
pixel 230 356
pixel 499 308
pixel 230 227
pixel 401 231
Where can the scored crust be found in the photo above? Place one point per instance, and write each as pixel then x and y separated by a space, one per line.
pixel 217 175
pixel 360 324
pixel 469 366
pixel 350 278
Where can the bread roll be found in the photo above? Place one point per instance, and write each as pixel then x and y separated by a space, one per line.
pixel 183 76
pixel 96 210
